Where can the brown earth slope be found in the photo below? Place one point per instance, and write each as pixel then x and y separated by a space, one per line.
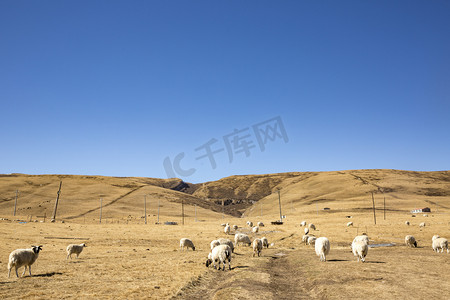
pixel 300 191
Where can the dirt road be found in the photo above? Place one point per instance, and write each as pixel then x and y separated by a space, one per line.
pixel 271 276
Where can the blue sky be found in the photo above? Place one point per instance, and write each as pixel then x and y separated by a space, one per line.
pixel 117 87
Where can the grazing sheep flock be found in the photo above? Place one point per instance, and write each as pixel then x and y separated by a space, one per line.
pixel 220 254
pixel 257 247
pixel 311 240
pixel 410 241
pixel 360 249
pixel 74 249
pixel 322 248
pixel 214 243
pixel 439 243
pixel 226 242
pixel 222 248
pixel 227 229
pixel 23 258
pixel 185 242
pixel 305 239
pixel 361 238
pixel 242 238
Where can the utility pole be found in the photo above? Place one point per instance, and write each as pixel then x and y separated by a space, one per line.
pixel 157 222
pixel 195 212
pixel 223 209
pixel 279 203
pixel 101 206
pixel 56 203
pixel 373 204
pixel 15 202
pixel 182 210
pixel 145 208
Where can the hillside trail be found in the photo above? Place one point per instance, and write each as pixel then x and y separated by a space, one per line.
pixel 271 276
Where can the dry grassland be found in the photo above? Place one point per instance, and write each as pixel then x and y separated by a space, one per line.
pixel 143 261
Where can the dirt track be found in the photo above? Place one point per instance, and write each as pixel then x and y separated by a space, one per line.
pixel 270 276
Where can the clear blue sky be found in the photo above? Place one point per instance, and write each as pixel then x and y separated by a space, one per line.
pixel 116 87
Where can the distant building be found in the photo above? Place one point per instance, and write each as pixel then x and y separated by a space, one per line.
pixel 421 210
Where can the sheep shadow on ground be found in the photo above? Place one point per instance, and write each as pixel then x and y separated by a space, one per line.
pixel 49 274
pixel 374 262
pixel 75 261
pixel 240 267
pixel 337 259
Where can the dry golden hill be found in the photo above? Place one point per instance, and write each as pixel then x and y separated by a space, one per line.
pixel 123 197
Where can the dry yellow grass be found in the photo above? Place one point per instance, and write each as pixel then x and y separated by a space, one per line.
pixel 137 261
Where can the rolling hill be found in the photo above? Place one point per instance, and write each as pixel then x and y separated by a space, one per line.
pixel 247 195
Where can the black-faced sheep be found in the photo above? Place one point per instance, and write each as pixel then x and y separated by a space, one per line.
pixel 23 257
pixel 221 253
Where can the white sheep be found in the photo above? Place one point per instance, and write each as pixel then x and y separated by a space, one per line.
pixel 422 224
pixel 303 223
pixel 407 223
pixel 439 243
pixel 255 229
pixel 410 241
pixel 214 243
pixel 306 230
pixel 23 257
pixel 265 242
pixel 185 242
pixel 260 224
pixel 74 249
pixel 362 237
pixel 235 227
pixel 305 238
pixel 322 248
pixel 349 224
pixel 360 249
pixel 227 229
pixel 221 253
pixel 257 247
pixel 226 242
pixel 249 223
pixel 312 226
pixel 242 238
pixel 311 240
